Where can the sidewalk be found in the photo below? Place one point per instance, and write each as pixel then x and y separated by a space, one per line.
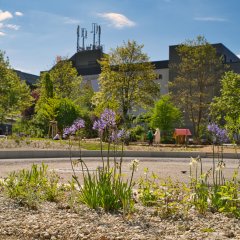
pixel 18 154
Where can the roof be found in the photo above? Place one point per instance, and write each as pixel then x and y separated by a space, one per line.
pixel 182 132
pixel 160 64
pixel 30 79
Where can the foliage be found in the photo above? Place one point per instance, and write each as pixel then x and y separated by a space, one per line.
pixel 220 195
pixel 137 133
pixel 219 135
pixel 127 81
pixel 226 107
pixel 65 80
pixel 30 187
pixel 14 94
pixel 170 198
pixel 195 81
pixel 104 188
pixel 165 115
pixel 63 110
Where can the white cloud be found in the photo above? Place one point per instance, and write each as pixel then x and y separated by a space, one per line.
pixel 12 26
pixel 238 55
pixel 68 20
pixel 117 20
pixel 2 34
pixel 210 19
pixel 5 15
pixel 19 14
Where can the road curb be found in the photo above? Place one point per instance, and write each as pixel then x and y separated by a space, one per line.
pixel 14 154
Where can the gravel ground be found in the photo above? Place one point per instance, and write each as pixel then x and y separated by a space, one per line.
pixel 53 221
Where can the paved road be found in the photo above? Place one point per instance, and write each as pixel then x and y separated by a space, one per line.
pixel 164 167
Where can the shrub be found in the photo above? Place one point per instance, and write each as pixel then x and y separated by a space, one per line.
pixel 105 188
pixel 30 187
pixel 170 198
pixel 137 133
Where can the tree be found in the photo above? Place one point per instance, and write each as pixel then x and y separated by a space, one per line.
pixel 61 96
pixel 14 93
pixel 165 115
pixel 63 110
pixel 226 107
pixel 65 80
pixel 127 81
pixel 196 80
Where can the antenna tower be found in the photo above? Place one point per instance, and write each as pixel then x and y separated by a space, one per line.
pixel 84 36
pixel 94 31
pixel 78 29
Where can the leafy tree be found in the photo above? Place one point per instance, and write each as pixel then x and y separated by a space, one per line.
pixel 165 115
pixel 14 93
pixel 226 107
pixel 60 96
pixel 66 112
pixel 127 81
pixel 65 80
pixel 63 110
pixel 48 86
pixel 196 80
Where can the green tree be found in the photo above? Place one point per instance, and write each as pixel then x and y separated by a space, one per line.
pixel 127 81
pixel 65 79
pixel 48 86
pixel 196 80
pixel 63 97
pixel 14 93
pixel 165 115
pixel 226 107
pixel 62 110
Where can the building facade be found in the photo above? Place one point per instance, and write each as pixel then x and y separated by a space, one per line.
pixel 86 63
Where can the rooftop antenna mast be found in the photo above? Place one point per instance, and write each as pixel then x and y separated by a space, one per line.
pixel 84 36
pixel 94 31
pixel 78 48
pixel 99 36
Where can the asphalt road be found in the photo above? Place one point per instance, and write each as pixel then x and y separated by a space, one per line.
pixel 176 168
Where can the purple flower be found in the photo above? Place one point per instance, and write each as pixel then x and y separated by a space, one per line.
pixel 122 134
pixel 119 135
pixel 219 134
pixel 108 117
pixel 99 125
pixel 69 130
pixel 79 123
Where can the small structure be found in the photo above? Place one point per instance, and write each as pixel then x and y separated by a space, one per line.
pixel 181 135
pixel 53 129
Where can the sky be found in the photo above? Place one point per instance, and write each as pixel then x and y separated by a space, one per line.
pixel 34 32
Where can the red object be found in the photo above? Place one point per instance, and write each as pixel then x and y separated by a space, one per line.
pixel 181 132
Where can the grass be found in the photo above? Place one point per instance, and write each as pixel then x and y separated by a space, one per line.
pixel 45 143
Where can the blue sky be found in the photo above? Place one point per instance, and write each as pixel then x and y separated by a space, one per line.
pixel 34 32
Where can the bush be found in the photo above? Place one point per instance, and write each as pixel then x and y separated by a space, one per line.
pixel 137 133
pixel 170 199
pixel 30 187
pixel 106 187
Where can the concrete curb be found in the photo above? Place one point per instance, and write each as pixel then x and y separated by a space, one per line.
pixel 14 154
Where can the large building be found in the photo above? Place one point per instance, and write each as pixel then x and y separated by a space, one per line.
pixel 86 63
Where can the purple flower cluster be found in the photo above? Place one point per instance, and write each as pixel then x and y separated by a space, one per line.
pixel 123 134
pixel 119 135
pixel 219 133
pixel 77 125
pixel 107 119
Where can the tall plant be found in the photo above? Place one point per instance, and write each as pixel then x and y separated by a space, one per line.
pixel 105 187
